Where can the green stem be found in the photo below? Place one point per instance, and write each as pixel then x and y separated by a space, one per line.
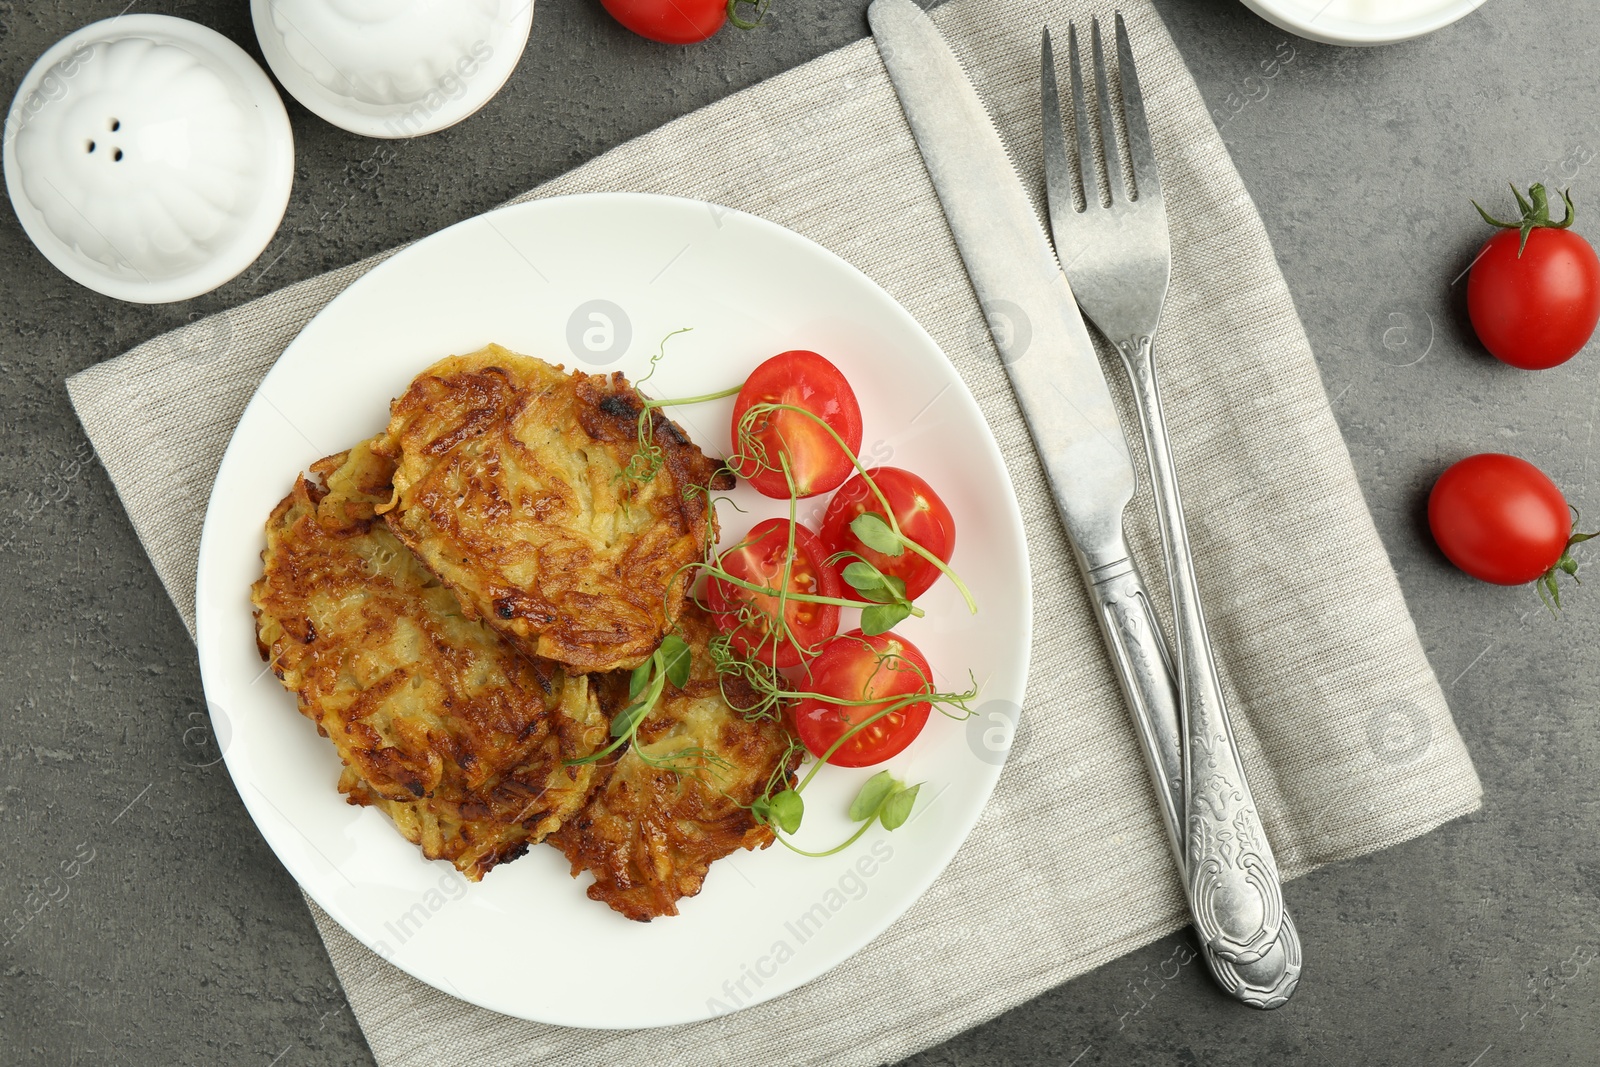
pixel 701 399
pixel 594 757
pixel 883 501
pixel 837 848
pixel 906 701
pixel 808 598
pixel 972 605
pixel 855 461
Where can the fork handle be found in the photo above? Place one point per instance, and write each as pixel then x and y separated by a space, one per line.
pixel 1232 878
pixel 1144 672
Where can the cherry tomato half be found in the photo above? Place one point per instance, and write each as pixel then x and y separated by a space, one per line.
pixel 857 667
pixel 1539 309
pixel 917 508
pixel 749 618
pixel 670 21
pixel 817 463
pixel 1499 518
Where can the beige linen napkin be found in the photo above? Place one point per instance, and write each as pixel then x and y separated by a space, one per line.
pixel 1345 732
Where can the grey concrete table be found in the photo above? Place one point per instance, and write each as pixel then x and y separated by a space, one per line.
pixel 184 941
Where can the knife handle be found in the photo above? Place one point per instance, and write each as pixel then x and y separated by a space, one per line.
pixel 1144 671
pixel 1233 883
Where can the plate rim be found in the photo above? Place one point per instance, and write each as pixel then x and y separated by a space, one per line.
pixel 944 855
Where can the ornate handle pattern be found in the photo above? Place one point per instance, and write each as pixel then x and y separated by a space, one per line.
pixel 1233 883
pixel 1144 670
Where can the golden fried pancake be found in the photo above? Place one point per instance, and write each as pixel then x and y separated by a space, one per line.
pixel 439 722
pixel 511 486
pixel 649 833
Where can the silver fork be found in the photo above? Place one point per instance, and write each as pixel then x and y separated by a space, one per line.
pixel 1118 260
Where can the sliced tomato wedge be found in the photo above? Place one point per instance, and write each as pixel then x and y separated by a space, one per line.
pixel 750 618
pixel 855 667
pixel 815 460
pixel 922 516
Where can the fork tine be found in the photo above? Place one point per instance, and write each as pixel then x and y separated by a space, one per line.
pixel 1141 155
pixel 1108 129
pixel 1080 120
pixel 1057 165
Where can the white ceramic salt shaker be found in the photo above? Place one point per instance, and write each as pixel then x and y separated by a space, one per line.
pixel 148 157
pixel 392 68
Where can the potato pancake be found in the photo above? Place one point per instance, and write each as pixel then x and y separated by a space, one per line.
pixel 447 728
pixel 649 834
pixel 513 486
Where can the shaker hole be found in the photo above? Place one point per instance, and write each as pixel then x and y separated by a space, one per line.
pixel 116 124
pixel 90 148
pixel 116 157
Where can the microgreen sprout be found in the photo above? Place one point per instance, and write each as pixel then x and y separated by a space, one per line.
pixel 778 805
pixel 886 592
pixel 764 617
pixel 778 810
pixel 647 458
pixel 881 533
pixel 772 624
pixel 671 662
pixel 883 799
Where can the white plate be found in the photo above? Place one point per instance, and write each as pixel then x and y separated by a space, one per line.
pixel 526 941
pixel 1362 22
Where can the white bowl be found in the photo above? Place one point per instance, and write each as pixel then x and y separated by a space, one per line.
pixel 392 68
pixel 1362 22
pixel 148 158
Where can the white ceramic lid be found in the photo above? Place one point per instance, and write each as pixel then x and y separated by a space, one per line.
pixel 1362 22
pixel 148 158
pixel 392 68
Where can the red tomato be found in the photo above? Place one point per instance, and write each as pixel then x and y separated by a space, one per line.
pixel 857 667
pixel 922 517
pixel 817 463
pixel 1499 518
pixel 670 21
pixel 1539 308
pixel 759 559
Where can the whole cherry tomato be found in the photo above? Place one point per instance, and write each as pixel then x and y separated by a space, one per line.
pixel 1500 519
pixel 1534 293
pixel 670 21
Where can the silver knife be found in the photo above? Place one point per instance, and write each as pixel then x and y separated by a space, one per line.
pixel 1061 389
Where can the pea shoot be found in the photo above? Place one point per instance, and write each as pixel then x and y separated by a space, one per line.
pixel 672 661
pixel 775 596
